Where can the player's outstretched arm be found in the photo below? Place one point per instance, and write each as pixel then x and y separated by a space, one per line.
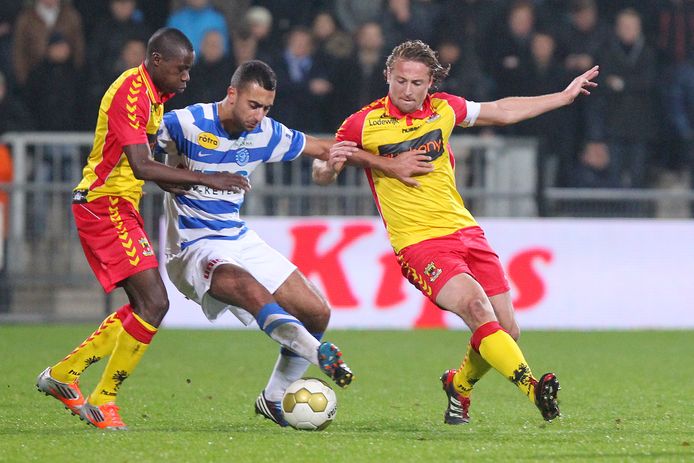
pixel 515 109
pixel 146 168
pixel 403 167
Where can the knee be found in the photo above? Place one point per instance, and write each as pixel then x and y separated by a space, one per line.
pixel 478 309
pixel 513 330
pixel 317 317
pixel 154 310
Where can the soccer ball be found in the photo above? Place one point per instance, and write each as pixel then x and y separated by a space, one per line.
pixel 309 404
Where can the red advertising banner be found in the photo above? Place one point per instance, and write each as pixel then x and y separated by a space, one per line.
pixel 565 274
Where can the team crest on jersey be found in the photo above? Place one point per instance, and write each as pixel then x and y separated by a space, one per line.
pixel 146 248
pixel 432 271
pixel 433 117
pixel 242 157
pixel 208 141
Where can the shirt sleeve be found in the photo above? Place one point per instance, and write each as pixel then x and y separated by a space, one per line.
pixel 290 143
pixel 165 147
pixel 466 112
pixel 473 112
pixel 351 128
pixel 128 114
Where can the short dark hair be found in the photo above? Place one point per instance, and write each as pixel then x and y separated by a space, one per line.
pixel 169 43
pixel 254 71
pixel 416 50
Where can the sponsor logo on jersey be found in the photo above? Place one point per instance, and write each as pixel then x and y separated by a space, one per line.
pixel 208 140
pixel 384 120
pixel 432 142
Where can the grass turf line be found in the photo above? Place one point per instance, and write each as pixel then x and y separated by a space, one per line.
pixel 626 396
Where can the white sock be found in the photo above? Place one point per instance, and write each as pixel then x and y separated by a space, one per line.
pixel 297 339
pixel 287 370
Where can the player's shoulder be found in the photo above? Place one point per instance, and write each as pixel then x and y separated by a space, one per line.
pixel 127 83
pixel 194 114
pixel 447 97
pixel 359 116
pixel 374 105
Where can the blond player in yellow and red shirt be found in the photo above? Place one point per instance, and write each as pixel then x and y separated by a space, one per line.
pixel 105 206
pixel 439 245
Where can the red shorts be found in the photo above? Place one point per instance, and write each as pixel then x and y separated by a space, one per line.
pixel 429 264
pixel 113 238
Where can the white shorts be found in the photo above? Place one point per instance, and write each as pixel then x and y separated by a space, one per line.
pixel 191 270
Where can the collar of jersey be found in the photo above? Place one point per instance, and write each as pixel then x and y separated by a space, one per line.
pixel 154 94
pixel 423 113
pixel 220 126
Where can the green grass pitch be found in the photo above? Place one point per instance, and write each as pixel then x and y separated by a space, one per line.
pixel 626 396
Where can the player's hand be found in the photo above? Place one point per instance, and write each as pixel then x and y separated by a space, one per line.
pixel 582 84
pixel 339 153
pixel 227 181
pixel 174 188
pixel 409 164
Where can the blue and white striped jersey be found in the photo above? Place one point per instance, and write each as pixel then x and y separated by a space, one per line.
pixel 195 139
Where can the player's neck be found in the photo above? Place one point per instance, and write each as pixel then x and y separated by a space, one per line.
pixel 227 120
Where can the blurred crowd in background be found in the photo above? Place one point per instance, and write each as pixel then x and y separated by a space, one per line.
pixel 57 57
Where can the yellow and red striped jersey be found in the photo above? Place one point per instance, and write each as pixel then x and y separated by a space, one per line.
pixel 412 214
pixel 130 109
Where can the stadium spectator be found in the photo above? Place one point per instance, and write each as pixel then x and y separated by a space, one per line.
pixel 305 83
pixel 675 34
pixel 585 36
pixel 105 208
pixel 681 112
pixel 131 55
pixel 233 10
pixel 440 247
pixel 465 76
pixel 556 131
pixel 35 24
pixel 9 9
pixel 209 77
pixel 253 36
pixel 14 115
pixel 330 40
pixel 509 50
pixel 352 14
pixel 287 16
pixel 104 53
pixel 56 110
pixel 410 19
pixel 221 264
pixel 250 38
pixel 361 79
pixel 627 98
pixel 469 23
pixel 195 19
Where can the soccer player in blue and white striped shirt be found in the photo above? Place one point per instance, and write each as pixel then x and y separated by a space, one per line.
pixel 214 259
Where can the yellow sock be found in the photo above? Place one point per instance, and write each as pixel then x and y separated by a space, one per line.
pixel 98 345
pixel 499 349
pixel 470 371
pixel 131 345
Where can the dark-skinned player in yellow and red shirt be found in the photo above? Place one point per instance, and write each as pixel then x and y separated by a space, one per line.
pixel 439 245
pixel 105 207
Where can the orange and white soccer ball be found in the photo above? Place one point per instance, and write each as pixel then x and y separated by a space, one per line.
pixel 309 404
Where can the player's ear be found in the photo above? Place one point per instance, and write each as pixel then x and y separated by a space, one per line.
pixel 231 93
pixel 156 58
